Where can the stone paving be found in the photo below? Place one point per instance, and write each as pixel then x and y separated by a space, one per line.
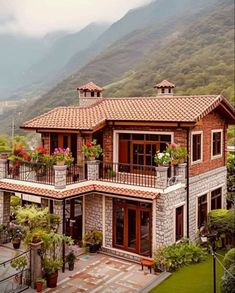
pixel 101 273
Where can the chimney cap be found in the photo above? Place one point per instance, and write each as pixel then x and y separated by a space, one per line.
pixel 164 84
pixel 90 86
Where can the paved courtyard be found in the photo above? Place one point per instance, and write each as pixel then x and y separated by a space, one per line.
pixel 101 273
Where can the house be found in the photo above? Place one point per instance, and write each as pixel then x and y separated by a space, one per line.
pixel 135 208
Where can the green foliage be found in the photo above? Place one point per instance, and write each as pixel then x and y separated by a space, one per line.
pixel 15 201
pixel 221 221
pixel 93 237
pixel 20 262
pixel 52 265
pixel 229 258
pixel 178 254
pixel 227 284
pixel 92 149
pixel 70 257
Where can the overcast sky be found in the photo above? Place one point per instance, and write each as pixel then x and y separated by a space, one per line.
pixel 38 17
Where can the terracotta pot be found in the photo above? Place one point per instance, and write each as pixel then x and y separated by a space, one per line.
pixel 52 280
pixel 16 243
pixel 39 286
pixel 92 158
pixel 60 163
pixel 71 266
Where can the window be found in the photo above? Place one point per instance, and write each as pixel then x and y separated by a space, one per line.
pixel 202 211
pixel 163 90
pixel 92 94
pixel 179 223
pixel 216 143
pixel 196 147
pixel 169 90
pixel 216 199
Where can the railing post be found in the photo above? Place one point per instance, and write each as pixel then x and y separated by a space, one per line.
pixel 35 262
pixel 60 176
pixel 3 168
pixel 181 172
pixel 161 180
pixel 93 170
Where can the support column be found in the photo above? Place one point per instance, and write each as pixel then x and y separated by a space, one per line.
pixel 58 210
pixel 83 215
pixel 161 180
pixel 181 172
pixel 4 207
pixel 103 219
pixel 93 170
pixel 3 168
pixel 60 176
pixel 36 262
pixel 154 224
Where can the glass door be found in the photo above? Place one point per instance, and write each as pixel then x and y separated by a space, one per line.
pixel 145 232
pixel 131 233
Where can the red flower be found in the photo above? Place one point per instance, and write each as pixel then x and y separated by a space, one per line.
pixel 88 144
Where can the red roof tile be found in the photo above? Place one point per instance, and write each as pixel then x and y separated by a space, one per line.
pixel 53 193
pixel 164 83
pixel 90 86
pixel 163 109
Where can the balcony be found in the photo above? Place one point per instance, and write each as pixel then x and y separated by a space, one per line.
pixel 117 173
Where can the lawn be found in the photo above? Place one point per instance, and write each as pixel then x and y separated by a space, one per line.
pixel 195 278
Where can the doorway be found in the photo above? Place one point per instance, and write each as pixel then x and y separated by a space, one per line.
pixel 132 226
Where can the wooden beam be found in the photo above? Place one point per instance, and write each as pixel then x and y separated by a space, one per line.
pixel 58 131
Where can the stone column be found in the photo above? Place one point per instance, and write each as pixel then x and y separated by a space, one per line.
pixel 58 210
pixel 4 207
pixel 36 262
pixel 162 178
pixel 154 225
pixel 93 170
pixel 3 168
pixel 60 176
pixel 181 172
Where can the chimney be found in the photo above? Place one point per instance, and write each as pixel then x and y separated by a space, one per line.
pixel 165 88
pixel 89 94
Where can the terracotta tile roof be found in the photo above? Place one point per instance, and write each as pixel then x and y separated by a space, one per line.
pixel 164 83
pixel 90 86
pixel 154 109
pixel 78 190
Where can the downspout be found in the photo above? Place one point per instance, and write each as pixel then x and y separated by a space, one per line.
pixel 63 232
pixel 187 185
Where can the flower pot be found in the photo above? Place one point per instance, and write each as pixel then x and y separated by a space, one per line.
pixel 71 266
pixel 39 286
pixel 92 158
pixel 52 280
pixel 60 163
pixel 93 248
pixel 16 243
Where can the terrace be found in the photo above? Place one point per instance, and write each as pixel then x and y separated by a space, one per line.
pixel 128 174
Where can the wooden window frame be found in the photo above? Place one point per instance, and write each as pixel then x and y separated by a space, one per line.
pixel 219 195
pixel 198 206
pixel 212 143
pixel 201 147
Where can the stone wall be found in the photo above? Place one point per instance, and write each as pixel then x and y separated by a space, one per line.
pixel 108 221
pixel 4 207
pixel 58 210
pixel 167 202
pixel 93 212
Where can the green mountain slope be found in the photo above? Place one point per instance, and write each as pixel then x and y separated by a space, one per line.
pixel 199 61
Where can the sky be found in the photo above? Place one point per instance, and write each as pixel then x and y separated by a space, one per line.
pixel 39 17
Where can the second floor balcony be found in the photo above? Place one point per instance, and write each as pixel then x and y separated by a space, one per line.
pixel 117 173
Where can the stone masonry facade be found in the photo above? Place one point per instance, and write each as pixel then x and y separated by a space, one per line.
pixel 93 212
pixel 4 207
pixel 108 221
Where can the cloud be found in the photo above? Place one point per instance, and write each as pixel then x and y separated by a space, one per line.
pixel 38 17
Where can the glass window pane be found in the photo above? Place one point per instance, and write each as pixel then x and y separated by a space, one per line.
pixel 131 228
pixel 119 213
pixel 165 137
pixel 144 232
pixel 138 136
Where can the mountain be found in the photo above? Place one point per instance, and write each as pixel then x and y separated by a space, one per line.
pixel 49 69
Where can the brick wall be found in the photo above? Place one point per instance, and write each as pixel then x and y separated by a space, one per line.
pixel 210 122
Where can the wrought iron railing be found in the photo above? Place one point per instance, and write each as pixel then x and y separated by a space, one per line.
pixel 140 175
pixel 13 280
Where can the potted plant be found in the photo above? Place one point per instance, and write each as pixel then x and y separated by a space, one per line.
pixel 177 152
pixel 16 233
pixel 162 159
pixel 51 267
pixel 18 155
pixel 39 283
pixel 62 156
pixel 92 150
pixel 93 239
pixel 19 263
pixel 70 259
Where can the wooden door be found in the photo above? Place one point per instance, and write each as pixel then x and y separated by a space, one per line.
pixel 179 221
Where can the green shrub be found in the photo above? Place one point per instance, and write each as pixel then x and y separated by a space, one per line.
pixel 178 254
pixel 229 258
pixel 228 280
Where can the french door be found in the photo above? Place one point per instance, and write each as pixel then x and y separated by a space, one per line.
pixel 132 228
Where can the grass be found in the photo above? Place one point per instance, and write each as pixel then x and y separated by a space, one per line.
pixel 195 278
